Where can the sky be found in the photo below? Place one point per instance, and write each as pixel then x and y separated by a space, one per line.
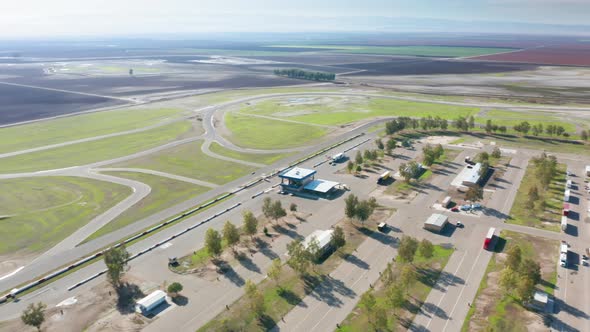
pixel 39 18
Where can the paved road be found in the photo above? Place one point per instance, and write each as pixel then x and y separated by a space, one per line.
pixel 158 173
pixel 129 100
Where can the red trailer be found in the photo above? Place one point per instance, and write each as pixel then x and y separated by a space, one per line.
pixel 566 209
pixel 488 243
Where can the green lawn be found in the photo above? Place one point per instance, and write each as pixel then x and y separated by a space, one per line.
pixel 263 133
pixel 509 119
pixel 548 218
pixel 428 269
pixel 80 126
pixel 344 110
pixel 261 158
pixel 492 309
pixel 165 193
pixel 45 210
pixel 188 160
pixel 86 153
pixel 434 51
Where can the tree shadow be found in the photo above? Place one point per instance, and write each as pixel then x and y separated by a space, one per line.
pixel 267 322
pixel 265 249
pixel 291 298
pixel 433 309
pixel 494 213
pixel 248 263
pixel 563 306
pixel 180 300
pixel 286 231
pixel 326 291
pixel 383 238
pixel 357 262
pixel 230 274
pixel 126 295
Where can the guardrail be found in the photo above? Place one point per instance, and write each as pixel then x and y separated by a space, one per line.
pixel 57 273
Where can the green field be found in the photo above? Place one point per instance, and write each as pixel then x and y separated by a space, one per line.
pixel 80 126
pixel 165 193
pixel 260 133
pixel 86 153
pixel 262 158
pixel 492 309
pixel 39 212
pixel 548 218
pixel 344 110
pixel 188 160
pixel 429 51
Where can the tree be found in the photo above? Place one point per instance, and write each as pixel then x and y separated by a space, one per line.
pixel 116 261
pixel 257 304
pixel 231 235
pixel 299 258
pixel 293 207
pixel 250 288
pixel 174 288
pixel 489 126
pixel 367 155
pixel 349 166
pixel 396 296
pixel 34 315
pixel 379 318
pixel 426 249
pixel 474 193
pixel 358 168
pixel 350 204
pixel 363 211
pixel 250 223
pixel 275 270
pixel 277 211
pixel 407 276
pixel 584 135
pixel 380 144
pixel 409 171
pixel 368 302
pixel 387 275
pixel 267 207
pixel 530 269
pixel 533 193
pixel 525 289
pixel 213 242
pixel 428 155
pixel 483 169
pixel 481 157
pixel 407 248
pixel 508 280
pixel 497 153
pixel 513 258
pixel 358 158
pixel 471 121
pixel 338 238
pixel 391 145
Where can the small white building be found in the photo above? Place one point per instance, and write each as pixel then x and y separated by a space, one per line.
pixel 145 305
pixel 322 237
pixel 436 222
pixel 469 176
pixel 588 170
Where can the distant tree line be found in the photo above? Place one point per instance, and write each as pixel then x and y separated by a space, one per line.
pixel 305 75
pixel 425 123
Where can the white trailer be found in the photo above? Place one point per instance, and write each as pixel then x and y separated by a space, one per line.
pixel 563 249
pixel 145 305
pixel 563 223
pixel 568 184
pixel 566 196
pixel 588 170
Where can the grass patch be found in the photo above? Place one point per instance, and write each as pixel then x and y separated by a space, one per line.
pixel 509 119
pixel 493 310
pixel 429 270
pixel 188 160
pixel 264 133
pixel 281 299
pixel 429 51
pixel 165 193
pixel 550 217
pixel 344 110
pixel 86 153
pixel 46 210
pixel 80 126
pixel 262 158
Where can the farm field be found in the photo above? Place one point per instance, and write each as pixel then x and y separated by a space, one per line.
pixel 576 55
pixel 86 153
pixel 62 205
pixel 433 51
pixel 260 133
pixel 343 110
pixel 80 126
pixel 494 310
pixel 165 193
pixel 188 160
pixel 262 158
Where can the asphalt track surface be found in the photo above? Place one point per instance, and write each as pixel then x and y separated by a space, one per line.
pixel 447 303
